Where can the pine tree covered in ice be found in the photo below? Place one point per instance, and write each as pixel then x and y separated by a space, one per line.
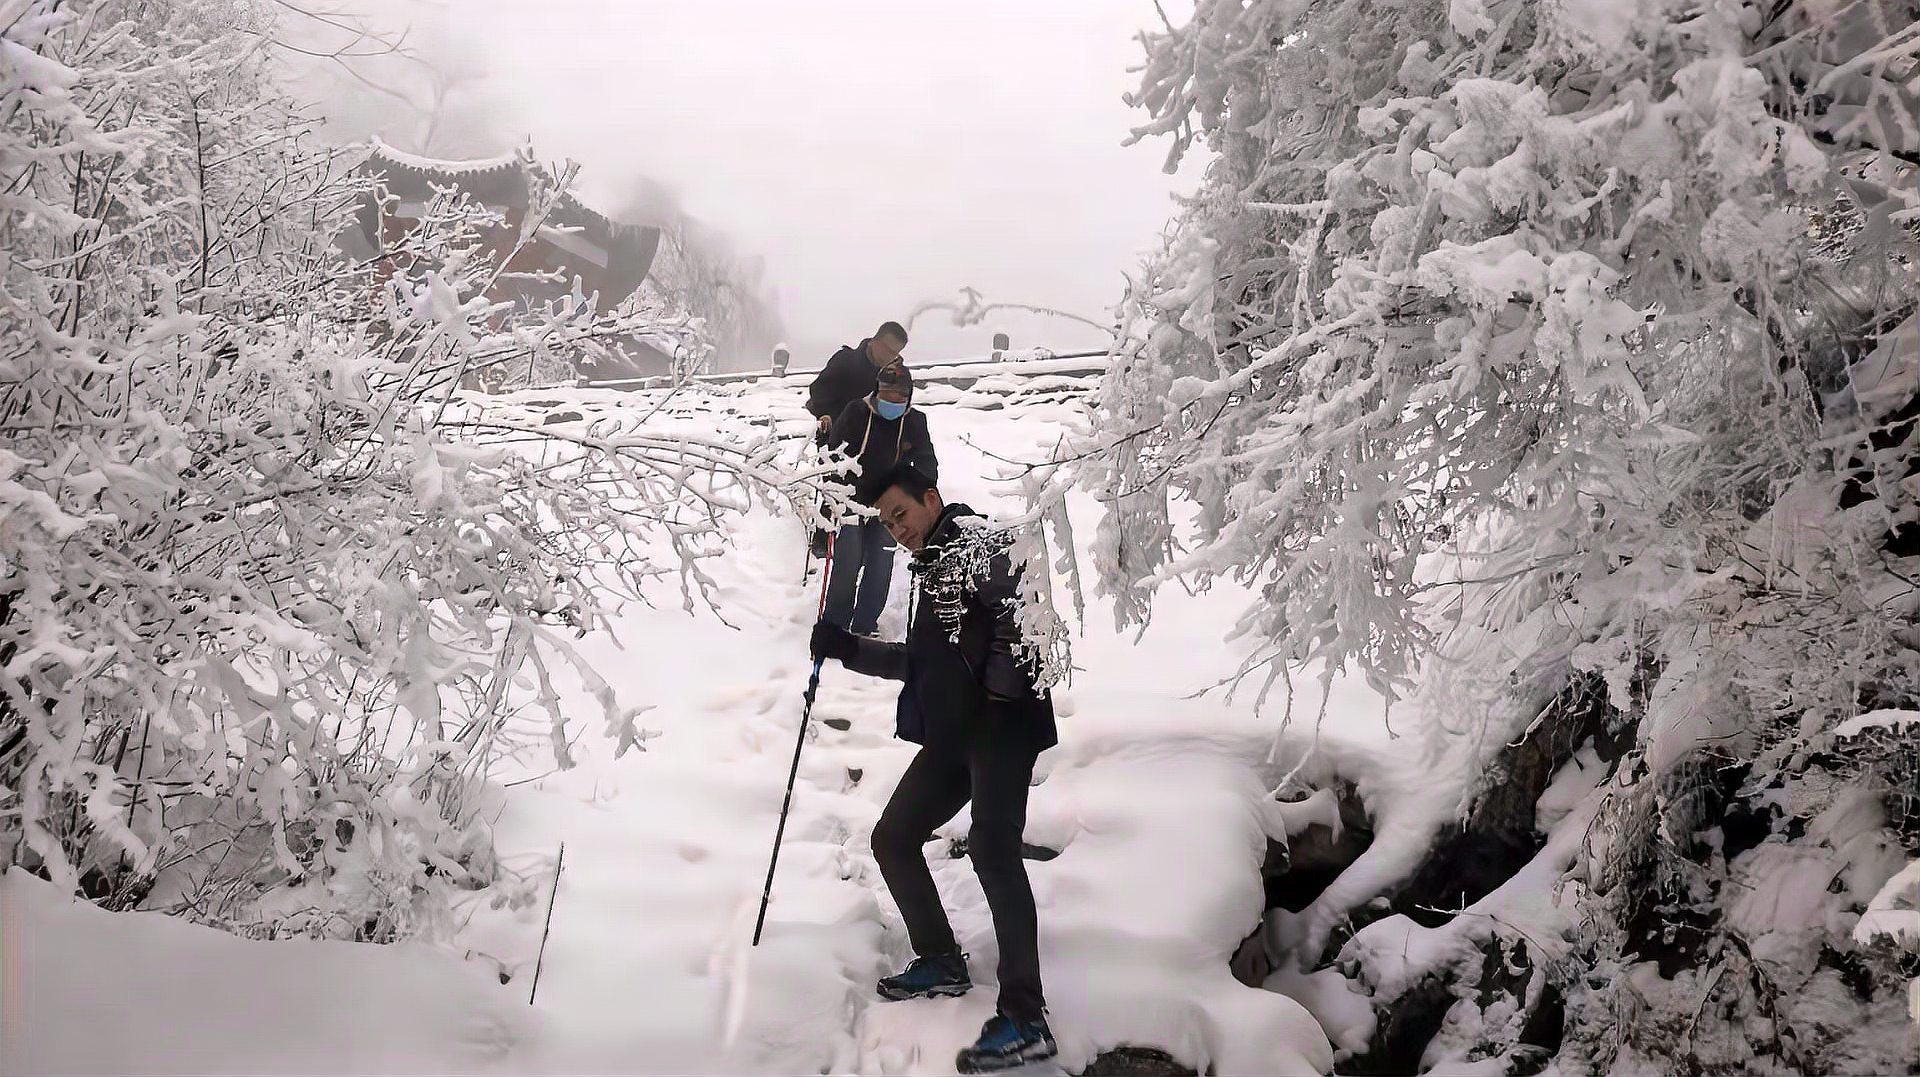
pixel 1565 355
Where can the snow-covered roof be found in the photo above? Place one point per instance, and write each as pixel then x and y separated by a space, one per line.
pixel 386 154
pixel 471 166
pixel 617 227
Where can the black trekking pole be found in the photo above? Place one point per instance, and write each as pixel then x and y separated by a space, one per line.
pixel 559 865
pixel 806 718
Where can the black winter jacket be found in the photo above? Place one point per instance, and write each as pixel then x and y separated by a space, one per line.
pixel 880 443
pixel 967 692
pixel 847 377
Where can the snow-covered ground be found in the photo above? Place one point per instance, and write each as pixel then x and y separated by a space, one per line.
pixel 1155 801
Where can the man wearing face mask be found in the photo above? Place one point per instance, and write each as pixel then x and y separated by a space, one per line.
pixel 880 430
pixel 850 375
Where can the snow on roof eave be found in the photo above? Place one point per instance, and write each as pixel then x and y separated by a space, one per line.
pixel 384 152
pixel 417 163
pixel 617 227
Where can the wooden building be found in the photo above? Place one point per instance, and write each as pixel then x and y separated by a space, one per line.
pixel 575 246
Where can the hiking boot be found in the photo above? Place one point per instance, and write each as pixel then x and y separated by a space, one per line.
pixel 1006 1043
pixel 928 977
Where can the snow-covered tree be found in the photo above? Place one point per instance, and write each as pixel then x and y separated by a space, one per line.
pixel 268 581
pixel 1518 346
pixel 700 271
pixel 409 72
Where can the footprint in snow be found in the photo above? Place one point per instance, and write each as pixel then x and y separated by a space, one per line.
pixel 488 1037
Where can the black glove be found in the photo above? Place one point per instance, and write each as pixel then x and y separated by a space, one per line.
pixel 832 641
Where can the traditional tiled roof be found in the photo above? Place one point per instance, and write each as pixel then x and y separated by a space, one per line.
pixel 386 154
pixel 383 156
pixel 501 181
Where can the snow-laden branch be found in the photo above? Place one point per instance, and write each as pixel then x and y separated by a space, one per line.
pixel 270 574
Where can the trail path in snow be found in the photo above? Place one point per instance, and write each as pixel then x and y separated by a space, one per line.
pixel 1154 802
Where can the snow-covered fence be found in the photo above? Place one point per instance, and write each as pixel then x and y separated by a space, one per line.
pixel 960 372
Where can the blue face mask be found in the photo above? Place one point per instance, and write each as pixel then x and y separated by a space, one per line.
pixel 889 409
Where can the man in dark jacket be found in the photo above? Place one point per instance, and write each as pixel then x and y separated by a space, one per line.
pixel 880 431
pixel 848 376
pixel 971 701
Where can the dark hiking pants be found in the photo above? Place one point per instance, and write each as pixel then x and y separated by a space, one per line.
pixel 932 791
pixel 861 575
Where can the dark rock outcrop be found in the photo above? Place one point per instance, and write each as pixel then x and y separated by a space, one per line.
pixel 1136 1062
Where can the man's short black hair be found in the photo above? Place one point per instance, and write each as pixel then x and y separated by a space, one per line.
pixel 892 329
pixel 911 480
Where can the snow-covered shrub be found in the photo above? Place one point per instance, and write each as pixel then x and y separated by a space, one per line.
pixel 269 586
pixel 1601 275
pixel 1584 331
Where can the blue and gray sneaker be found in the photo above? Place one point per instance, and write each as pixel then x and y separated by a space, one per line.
pixel 928 977
pixel 1006 1043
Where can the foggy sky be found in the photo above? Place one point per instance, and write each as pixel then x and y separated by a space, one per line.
pixel 877 152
